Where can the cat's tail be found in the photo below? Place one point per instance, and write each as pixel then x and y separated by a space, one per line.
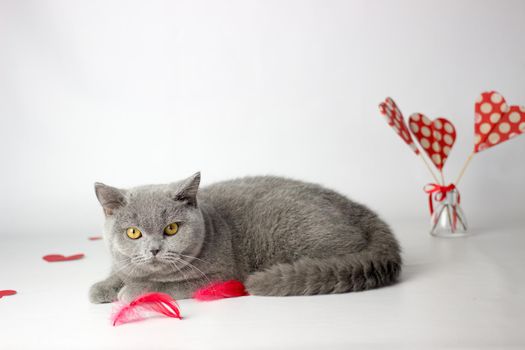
pixel 379 264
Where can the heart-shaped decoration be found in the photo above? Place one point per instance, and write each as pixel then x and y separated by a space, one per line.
pixel 395 119
pixel 60 257
pixel 436 137
pixel 7 292
pixel 495 121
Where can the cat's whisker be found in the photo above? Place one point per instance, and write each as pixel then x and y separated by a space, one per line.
pixel 133 269
pixel 177 255
pixel 174 264
pixel 129 264
pixel 194 257
pixel 140 259
pixel 119 261
pixel 195 267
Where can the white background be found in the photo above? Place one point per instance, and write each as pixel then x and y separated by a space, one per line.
pixel 135 92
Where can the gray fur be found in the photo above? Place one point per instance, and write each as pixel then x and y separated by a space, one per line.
pixel 279 236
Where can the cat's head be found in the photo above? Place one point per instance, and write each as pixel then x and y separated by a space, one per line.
pixel 152 229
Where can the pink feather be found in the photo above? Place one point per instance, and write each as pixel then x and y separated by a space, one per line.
pixel 220 290
pixel 145 304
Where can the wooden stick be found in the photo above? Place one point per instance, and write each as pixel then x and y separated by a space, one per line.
pixel 429 168
pixel 442 177
pixel 467 162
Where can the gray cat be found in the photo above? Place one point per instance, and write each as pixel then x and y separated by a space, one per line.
pixel 279 236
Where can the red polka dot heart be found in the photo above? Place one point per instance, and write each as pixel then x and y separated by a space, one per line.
pixel 435 137
pixel 395 119
pixel 495 121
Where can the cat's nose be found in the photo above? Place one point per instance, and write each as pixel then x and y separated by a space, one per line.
pixel 154 251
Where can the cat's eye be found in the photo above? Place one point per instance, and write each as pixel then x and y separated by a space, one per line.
pixel 171 229
pixel 133 233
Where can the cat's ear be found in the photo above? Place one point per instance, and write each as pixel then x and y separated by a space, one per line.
pixel 110 198
pixel 186 190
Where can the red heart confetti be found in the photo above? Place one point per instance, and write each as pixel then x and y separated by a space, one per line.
pixel 60 257
pixel 395 119
pixel 436 137
pixel 7 292
pixel 95 238
pixel 495 121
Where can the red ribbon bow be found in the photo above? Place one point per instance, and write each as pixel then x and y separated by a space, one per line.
pixel 439 192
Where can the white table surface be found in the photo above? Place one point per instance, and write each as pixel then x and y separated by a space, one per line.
pixel 454 293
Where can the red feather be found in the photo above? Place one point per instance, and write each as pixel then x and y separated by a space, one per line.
pixel 221 290
pixel 146 303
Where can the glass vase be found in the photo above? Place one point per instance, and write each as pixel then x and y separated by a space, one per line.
pixel 448 219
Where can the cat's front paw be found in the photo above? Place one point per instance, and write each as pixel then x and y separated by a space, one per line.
pixel 130 293
pixel 104 292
